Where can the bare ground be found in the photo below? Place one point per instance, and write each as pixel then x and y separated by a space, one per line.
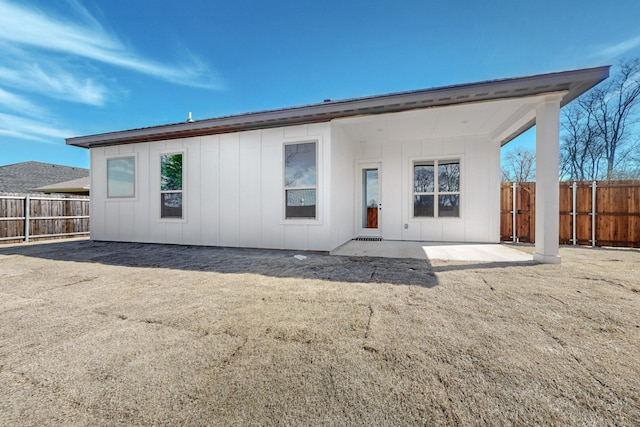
pixel 95 333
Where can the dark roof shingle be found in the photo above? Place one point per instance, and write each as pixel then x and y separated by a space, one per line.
pixel 25 177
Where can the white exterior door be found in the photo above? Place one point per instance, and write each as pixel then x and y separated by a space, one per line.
pixel 370 210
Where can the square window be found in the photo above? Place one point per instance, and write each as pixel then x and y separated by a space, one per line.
pixel 437 180
pixel 121 177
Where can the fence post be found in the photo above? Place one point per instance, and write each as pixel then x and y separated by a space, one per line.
pixel 514 237
pixel 27 214
pixel 593 213
pixel 574 213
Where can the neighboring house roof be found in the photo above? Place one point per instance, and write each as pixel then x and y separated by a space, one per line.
pixel 571 83
pixel 26 177
pixel 76 186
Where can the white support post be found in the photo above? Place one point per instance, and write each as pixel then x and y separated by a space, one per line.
pixel 27 215
pixel 594 187
pixel 574 213
pixel 514 236
pixel 547 248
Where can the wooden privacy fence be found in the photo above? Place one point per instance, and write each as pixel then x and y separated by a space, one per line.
pixel 598 213
pixel 30 216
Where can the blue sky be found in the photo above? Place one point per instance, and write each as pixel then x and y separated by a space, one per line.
pixel 71 68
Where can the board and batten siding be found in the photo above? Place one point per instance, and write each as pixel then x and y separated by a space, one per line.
pixel 233 192
pixel 343 188
pixel 479 156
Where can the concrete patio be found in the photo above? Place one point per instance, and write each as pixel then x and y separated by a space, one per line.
pixel 480 252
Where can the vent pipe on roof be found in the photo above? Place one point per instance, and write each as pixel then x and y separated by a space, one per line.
pixel 189 119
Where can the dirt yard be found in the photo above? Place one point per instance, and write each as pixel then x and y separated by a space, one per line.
pixel 96 333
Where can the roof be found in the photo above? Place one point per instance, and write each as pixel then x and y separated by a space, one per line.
pixel 26 177
pixel 574 83
pixel 76 186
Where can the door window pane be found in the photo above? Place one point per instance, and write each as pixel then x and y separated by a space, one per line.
pixel 371 198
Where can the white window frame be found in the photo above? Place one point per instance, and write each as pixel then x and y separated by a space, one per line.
pixel 285 187
pixel 135 176
pixel 436 192
pixel 181 218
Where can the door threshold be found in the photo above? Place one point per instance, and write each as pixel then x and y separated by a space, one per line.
pixel 368 239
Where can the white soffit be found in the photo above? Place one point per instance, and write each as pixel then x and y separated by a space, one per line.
pixel 497 120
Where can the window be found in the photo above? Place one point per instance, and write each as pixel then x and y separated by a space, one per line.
pixel 120 177
pixel 436 189
pixel 171 186
pixel 300 180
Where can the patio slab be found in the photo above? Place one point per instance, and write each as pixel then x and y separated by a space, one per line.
pixel 479 252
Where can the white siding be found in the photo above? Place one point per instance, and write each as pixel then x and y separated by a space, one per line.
pixel 229 200
pixel 233 188
pixel 232 192
pixel 480 183
pixel 392 184
pixel 343 191
pixel 210 176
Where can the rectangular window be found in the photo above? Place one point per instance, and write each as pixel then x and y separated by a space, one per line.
pixel 171 186
pixel 300 180
pixel 436 189
pixel 121 177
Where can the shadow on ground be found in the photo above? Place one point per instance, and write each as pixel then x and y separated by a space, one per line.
pixel 273 263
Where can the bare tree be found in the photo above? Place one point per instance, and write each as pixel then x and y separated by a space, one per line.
pixel 581 151
pixel 616 109
pixel 597 140
pixel 519 166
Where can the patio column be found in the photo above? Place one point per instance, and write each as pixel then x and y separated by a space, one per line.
pixel 547 180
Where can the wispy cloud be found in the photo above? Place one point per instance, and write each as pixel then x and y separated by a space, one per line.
pixel 616 50
pixel 11 101
pixel 67 55
pixel 33 129
pixel 49 79
pixel 87 38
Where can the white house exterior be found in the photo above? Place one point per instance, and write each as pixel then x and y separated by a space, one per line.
pixel 421 165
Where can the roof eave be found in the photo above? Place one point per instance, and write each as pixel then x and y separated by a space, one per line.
pixel 575 82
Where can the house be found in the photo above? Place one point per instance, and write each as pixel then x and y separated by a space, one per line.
pixel 421 165
pixel 28 177
pixel 78 186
